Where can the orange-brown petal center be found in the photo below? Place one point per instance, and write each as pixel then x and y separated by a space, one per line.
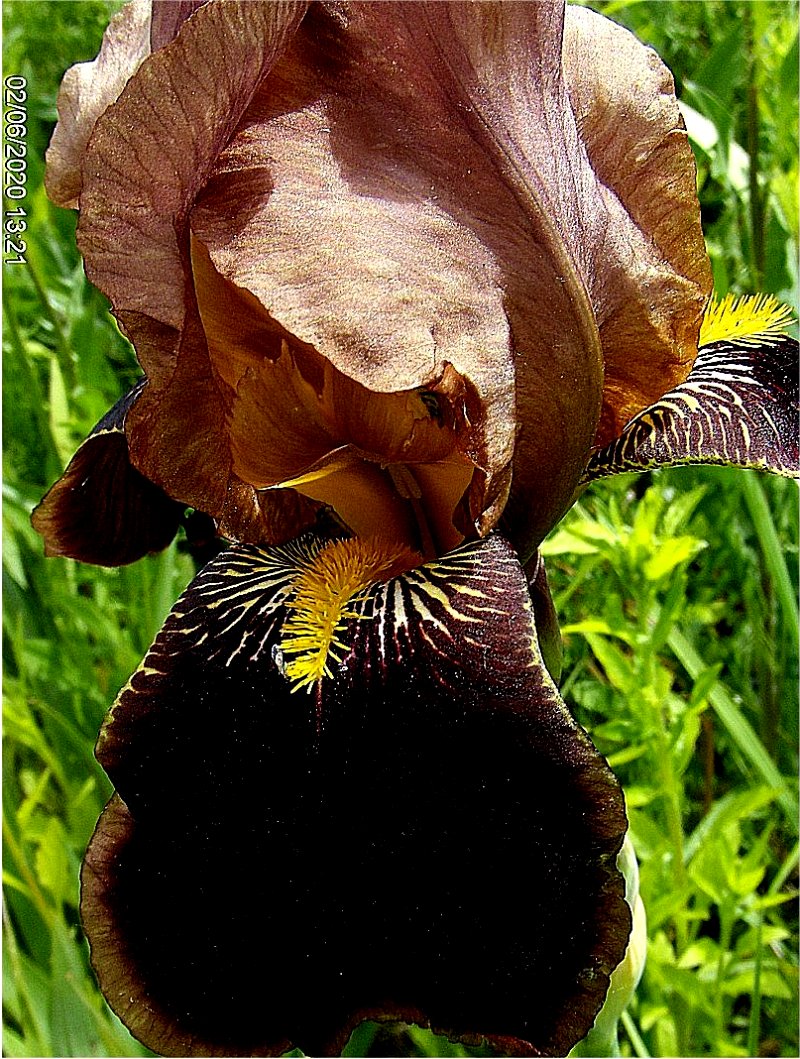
pixel 390 465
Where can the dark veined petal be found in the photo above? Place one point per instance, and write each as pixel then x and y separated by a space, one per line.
pixel 167 17
pixel 427 835
pixel 102 510
pixel 739 405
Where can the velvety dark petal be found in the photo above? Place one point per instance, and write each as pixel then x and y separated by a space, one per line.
pixel 426 835
pixel 739 406
pixel 102 510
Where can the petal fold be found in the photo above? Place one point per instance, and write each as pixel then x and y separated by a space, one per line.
pixel 167 18
pixel 86 91
pixel 102 510
pixel 393 204
pixel 404 190
pixel 425 835
pixel 140 182
pixel 139 186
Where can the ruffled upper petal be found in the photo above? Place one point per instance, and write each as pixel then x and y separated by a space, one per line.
pixel 86 91
pixel 652 276
pixel 388 463
pixel 392 204
pixel 403 192
pixel 139 184
pixel 167 18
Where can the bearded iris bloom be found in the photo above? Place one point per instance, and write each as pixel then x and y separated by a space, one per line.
pixel 403 279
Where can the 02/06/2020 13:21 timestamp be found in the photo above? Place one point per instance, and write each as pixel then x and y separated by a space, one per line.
pixel 15 168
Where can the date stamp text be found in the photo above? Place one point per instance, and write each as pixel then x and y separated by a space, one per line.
pixel 15 168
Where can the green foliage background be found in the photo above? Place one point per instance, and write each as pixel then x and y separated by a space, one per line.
pixel 676 592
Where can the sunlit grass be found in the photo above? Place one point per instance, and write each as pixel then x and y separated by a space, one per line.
pixel 671 667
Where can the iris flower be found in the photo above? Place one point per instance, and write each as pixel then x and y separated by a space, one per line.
pixel 402 279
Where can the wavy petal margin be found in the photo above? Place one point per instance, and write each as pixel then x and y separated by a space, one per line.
pixel 102 510
pixel 739 406
pixel 427 835
pixel 651 276
pixel 138 186
pixel 395 199
pixel 87 90
pixel 166 19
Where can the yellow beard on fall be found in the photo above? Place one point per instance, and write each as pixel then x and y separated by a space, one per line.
pixel 325 597
pixel 750 317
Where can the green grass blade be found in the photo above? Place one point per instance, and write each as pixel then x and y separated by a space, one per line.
pixel 738 727
pixel 772 552
pixel 639 1047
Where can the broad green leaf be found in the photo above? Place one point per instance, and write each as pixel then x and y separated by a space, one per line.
pixel 673 552
pixel 53 864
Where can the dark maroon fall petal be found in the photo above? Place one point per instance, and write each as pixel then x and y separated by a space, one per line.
pixel 738 408
pixel 102 510
pixel 427 835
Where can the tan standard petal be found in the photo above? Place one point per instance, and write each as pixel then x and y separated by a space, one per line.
pixel 154 149
pixel 149 154
pixel 189 454
pixel 86 90
pixel 406 192
pixel 653 277
pixel 386 468
pixel 304 392
pixel 167 18
pixel 297 421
